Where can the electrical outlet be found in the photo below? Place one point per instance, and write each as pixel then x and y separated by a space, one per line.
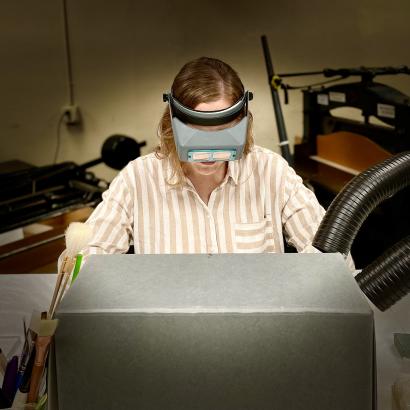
pixel 71 114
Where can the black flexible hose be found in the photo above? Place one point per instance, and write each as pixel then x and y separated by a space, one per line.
pixel 385 280
pixel 357 200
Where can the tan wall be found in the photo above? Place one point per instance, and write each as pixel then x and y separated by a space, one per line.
pixel 125 54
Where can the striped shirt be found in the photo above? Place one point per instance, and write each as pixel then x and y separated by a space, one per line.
pixel 260 200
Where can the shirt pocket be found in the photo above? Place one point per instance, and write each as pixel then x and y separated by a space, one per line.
pixel 254 237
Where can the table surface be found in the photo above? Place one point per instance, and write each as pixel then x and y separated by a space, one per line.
pixel 21 294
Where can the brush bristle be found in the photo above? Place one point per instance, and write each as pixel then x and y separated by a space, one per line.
pixel 77 236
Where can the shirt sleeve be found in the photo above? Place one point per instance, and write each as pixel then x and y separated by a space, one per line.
pixel 302 215
pixel 112 220
pixel 301 211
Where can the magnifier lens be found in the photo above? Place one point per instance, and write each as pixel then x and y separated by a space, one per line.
pixel 201 156
pixel 222 156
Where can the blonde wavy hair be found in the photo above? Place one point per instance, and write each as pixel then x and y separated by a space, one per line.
pixel 202 80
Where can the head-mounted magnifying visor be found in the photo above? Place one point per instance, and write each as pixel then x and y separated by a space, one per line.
pixel 198 145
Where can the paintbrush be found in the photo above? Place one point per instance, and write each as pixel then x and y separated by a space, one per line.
pixel 77 236
pixel 44 329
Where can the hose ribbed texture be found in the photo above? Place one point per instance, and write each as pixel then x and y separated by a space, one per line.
pixel 387 279
pixel 357 200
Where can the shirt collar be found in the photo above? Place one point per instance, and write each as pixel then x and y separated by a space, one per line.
pixel 232 172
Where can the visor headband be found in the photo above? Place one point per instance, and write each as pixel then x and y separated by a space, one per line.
pixel 188 115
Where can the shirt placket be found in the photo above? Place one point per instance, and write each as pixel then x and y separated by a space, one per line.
pixel 212 239
pixel 212 244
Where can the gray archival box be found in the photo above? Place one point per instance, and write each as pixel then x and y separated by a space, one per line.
pixel 215 332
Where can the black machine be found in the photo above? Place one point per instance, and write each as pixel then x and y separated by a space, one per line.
pixel 381 101
pixel 389 222
pixel 29 193
pixel 385 127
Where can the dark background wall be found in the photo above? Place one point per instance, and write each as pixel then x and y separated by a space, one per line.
pixel 125 54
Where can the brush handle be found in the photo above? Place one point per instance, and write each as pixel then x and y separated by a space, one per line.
pixel 42 344
pixel 62 288
pixel 25 380
pixel 77 267
pixel 58 284
pixel 35 380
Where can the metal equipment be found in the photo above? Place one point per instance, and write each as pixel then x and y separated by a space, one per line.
pixel 274 86
pixel 38 203
pixel 373 99
pixel 335 148
pixel 29 193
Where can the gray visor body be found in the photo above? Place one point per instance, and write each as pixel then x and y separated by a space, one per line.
pixel 197 145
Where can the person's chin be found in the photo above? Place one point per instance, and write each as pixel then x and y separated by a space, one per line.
pixel 207 168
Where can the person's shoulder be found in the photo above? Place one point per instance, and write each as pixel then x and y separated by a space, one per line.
pixel 144 159
pixel 143 163
pixel 266 155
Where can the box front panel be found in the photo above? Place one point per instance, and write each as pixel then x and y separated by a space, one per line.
pixel 215 361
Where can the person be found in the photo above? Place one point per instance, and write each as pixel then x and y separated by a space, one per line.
pixel 238 197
